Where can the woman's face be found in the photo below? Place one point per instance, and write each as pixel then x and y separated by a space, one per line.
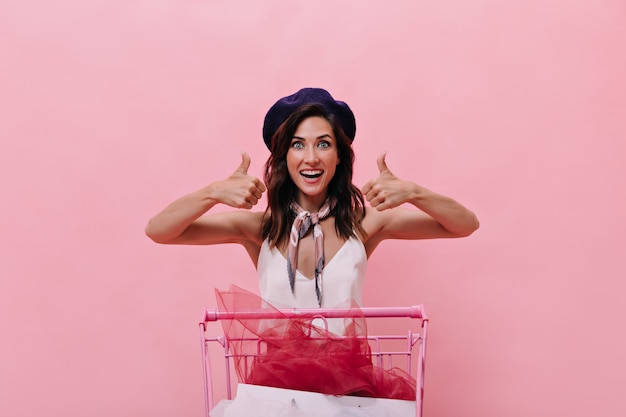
pixel 312 160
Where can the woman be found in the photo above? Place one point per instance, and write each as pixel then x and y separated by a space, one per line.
pixel 310 169
pixel 310 246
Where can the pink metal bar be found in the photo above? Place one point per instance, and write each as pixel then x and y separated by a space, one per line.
pixel 206 369
pixel 421 369
pixel 415 312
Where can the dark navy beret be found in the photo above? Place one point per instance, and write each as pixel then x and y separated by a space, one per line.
pixel 283 108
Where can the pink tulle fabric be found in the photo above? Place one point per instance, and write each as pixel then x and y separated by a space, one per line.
pixel 298 354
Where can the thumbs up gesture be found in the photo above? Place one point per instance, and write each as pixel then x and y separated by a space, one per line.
pixel 386 191
pixel 240 190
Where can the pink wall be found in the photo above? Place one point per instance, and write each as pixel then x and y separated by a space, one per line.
pixel 110 109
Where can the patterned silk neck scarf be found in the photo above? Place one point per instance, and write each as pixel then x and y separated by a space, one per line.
pixel 301 225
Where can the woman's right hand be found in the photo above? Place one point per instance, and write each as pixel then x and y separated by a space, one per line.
pixel 239 190
pixel 183 220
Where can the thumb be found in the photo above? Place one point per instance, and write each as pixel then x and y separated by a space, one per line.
pixel 245 163
pixel 382 165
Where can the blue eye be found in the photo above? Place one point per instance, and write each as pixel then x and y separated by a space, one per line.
pixel 323 144
pixel 297 145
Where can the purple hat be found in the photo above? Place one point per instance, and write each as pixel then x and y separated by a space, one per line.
pixel 283 108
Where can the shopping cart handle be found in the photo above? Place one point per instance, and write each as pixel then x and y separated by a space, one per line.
pixel 415 312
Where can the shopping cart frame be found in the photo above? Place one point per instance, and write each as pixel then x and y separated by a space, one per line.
pixel 413 312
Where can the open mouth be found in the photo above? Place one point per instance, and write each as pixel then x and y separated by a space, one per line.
pixel 312 173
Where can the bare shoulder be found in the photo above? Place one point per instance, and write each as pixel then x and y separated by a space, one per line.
pixel 373 224
pixel 373 221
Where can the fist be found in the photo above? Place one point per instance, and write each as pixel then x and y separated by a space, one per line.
pixel 240 190
pixel 386 191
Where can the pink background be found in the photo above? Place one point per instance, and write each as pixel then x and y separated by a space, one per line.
pixel 111 109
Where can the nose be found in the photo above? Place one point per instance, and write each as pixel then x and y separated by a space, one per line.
pixel 310 155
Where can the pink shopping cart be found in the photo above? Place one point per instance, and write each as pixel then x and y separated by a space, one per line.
pixel 387 350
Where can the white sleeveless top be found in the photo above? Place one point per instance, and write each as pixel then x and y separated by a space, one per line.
pixel 342 279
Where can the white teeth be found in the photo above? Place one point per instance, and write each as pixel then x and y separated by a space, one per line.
pixel 311 173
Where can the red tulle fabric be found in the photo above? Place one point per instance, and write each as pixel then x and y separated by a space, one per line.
pixel 296 354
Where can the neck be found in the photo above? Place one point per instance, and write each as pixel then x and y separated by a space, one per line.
pixel 311 204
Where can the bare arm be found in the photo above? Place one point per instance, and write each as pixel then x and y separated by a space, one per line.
pixel 184 221
pixel 438 216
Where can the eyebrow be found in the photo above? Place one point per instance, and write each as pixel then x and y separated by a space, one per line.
pixel 326 135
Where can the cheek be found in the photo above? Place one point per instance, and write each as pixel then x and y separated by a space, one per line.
pixel 292 166
pixel 289 160
pixel 334 169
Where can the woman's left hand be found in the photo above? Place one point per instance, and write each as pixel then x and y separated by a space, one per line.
pixel 438 215
pixel 387 191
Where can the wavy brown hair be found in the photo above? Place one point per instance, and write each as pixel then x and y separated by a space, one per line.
pixel 349 209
